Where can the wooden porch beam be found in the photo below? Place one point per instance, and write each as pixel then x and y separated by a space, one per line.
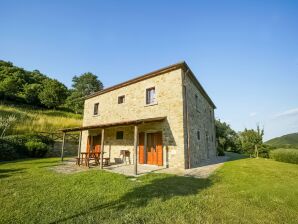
pixel 102 147
pixel 62 148
pixel 135 154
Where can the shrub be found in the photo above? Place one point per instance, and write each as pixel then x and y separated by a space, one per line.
pixel 220 151
pixel 15 146
pixel 36 148
pixel 285 155
pixel 8 151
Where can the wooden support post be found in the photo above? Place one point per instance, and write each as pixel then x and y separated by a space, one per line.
pixel 135 154
pixel 62 148
pixel 102 147
pixel 79 148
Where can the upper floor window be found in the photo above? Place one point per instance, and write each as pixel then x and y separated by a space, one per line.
pixel 95 109
pixel 121 99
pixel 150 96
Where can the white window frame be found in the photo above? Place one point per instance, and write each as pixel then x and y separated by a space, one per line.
pixel 155 96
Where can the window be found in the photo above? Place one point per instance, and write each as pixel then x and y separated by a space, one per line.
pixel 150 95
pixel 95 110
pixel 121 99
pixel 119 135
pixel 199 135
pixel 197 102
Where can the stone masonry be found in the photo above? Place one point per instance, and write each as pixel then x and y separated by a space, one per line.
pixel 170 103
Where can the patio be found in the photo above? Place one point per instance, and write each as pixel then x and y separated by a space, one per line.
pixel 69 166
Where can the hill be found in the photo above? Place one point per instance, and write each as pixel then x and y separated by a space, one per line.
pixel 290 140
pixel 30 120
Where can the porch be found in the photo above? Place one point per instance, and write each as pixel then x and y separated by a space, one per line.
pixel 140 143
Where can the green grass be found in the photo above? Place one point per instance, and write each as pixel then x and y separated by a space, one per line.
pixel 242 191
pixel 37 120
pixel 285 155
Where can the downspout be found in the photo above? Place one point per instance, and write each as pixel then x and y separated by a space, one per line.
pixel 187 120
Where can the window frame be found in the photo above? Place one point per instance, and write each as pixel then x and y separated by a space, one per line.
pixel 95 109
pixel 121 134
pixel 122 97
pixel 147 91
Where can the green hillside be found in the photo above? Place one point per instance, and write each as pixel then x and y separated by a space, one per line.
pixel 30 120
pixel 290 140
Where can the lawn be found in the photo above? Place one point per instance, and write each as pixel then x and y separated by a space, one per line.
pixel 242 191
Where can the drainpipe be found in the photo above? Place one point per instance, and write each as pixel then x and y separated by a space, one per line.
pixel 187 120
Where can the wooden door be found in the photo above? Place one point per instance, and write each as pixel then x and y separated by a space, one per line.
pixel 96 143
pixel 141 148
pixel 154 149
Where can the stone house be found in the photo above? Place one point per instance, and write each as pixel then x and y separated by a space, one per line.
pixel 163 118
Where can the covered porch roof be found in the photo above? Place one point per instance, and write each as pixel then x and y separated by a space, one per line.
pixel 120 123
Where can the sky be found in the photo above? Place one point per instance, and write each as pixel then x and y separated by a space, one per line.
pixel 244 53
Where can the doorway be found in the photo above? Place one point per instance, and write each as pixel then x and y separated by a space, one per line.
pixel 150 148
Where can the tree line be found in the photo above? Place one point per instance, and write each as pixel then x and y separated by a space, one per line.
pixel 248 141
pixel 37 89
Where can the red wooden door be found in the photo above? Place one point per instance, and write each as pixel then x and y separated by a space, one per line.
pixel 141 148
pixel 96 143
pixel 159 153
pixel 154 149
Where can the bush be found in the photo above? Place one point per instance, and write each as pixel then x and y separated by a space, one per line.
pixel 8 151
pixel 15 146
pixel 36 148
pixel 220 151
pixel 285 155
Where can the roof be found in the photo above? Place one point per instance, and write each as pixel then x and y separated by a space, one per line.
pixel 179 65
pixel 120 123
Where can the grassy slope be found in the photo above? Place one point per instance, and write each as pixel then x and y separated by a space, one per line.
pixel 33 120
pixel 290 139
pixel 242 191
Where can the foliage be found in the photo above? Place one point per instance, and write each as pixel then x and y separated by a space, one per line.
pixel 227 138
pixel 285 155
pixel 36 148
pixel 52 94
pixel 31 92
pixel 82 85
pixel 15 146
pixel 251 140
pixel 232 195
pixel 37 120
pixel 6 123
pixel 35 88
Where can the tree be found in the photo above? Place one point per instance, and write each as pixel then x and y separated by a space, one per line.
pixel 86 84
pixel 53 93
pixel 9 87
pixel 252 140
pixel 82 85
pixel 227 138
pixel 31 92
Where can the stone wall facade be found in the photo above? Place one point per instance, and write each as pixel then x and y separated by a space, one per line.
pixel 168 87
pixel 172 90
pixel 199 124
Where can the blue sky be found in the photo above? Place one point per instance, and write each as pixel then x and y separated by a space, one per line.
pixel 245 53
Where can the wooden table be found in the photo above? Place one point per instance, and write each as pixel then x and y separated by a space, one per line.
pixel 87 156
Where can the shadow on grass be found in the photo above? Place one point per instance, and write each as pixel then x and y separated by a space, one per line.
pixel 158 187
pixel 9 172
